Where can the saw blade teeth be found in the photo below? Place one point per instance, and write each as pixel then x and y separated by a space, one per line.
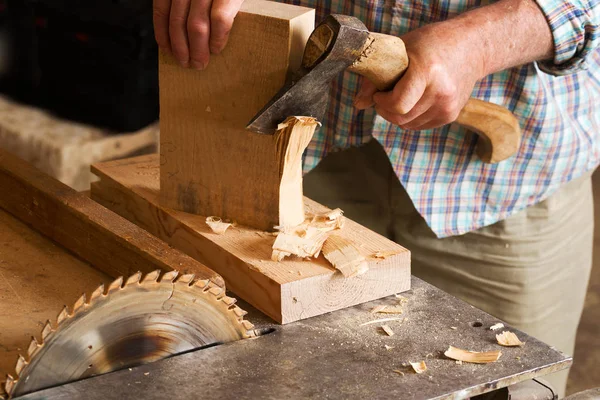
pixel 115 285
pixel 80 303
pixel 169 276
pixel 133 279
pixel 9 384
pixel 217 291
pixel 99 292
pixel 47 330
pixel 151 277
pixel 64 314
pixel 202 283
pixel 33 346
pixel 239 312
pixel 230 301
pixel 247 325
pixel 186 279
pixel 21 363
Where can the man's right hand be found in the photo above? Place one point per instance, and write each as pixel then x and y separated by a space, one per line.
pixel 193 29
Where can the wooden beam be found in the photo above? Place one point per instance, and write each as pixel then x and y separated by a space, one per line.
pixel 107 241
pixel 286 291
pixel 210 164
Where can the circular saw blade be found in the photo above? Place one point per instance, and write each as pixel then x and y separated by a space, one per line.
pixel 130 323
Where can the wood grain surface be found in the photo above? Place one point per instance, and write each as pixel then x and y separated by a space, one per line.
pixel 210 164
pixel 286 291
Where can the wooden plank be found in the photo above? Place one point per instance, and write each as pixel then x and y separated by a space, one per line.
pixel 286 291
pixel 109 242
pixel 210 164
pixel 65 149
pixel 37 279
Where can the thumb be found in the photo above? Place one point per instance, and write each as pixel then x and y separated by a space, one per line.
pixel 364 97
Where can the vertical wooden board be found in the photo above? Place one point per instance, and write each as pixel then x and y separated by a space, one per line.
pixel 210 164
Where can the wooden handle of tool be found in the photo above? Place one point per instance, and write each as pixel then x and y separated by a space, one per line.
pixel 384 60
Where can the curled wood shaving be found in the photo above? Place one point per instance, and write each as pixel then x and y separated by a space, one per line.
pixel 508 339
pixel 378 308
pixel 385 254
pixel 398 372
pixel 419 367
pixel 217 225
pixel 306 239
pixel 499 325
pixel 472 356
pixel 344 257
pixel 388 331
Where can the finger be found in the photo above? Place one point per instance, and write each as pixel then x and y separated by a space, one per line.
pixel 421 108
pixel 222 15
pixel 198 30
pixel 419 123
pixel 364 97
pixel 178 31
pixel 407 92
pixel 160 13
pixel 389 116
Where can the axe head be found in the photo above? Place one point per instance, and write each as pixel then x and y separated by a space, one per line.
pixel 332 47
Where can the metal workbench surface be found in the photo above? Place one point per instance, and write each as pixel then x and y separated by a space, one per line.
pixel 333 356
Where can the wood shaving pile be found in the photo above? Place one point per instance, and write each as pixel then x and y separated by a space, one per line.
pixel 308 239
pixel 508 339
pixel 217 225
pixel 419 367
pixel 472 356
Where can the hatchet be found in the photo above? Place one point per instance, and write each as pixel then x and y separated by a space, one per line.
pixel 342 42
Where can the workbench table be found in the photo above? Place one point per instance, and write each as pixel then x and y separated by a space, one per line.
pixel 333 356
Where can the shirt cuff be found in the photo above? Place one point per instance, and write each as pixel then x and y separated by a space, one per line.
pixel 575 32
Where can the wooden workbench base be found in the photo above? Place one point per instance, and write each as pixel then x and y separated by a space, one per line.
pixel 287 291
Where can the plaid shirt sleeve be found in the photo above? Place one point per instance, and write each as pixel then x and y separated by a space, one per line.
pixel 575 26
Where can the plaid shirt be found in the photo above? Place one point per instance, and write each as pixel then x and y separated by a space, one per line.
pixel 450 187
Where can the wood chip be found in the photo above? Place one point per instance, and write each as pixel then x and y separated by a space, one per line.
pixel 453 328
pixel 401 298
pixel 217 225
pixel 398 372
pixel 458 362
pixel 499 325
pixel 388 347
pixel 391 310
pixel 344 256
pixel 419 367
pixel 508 339
pixel 387 330
pixel 381 320
pixel 378 308
pixel 385 254
pixel 472 356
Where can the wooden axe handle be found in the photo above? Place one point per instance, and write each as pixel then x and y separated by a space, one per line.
pixel 384 60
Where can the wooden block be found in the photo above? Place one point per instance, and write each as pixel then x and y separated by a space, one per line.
pixel 64 149
pixel 286 291
pixel 107 241
pixel 210 164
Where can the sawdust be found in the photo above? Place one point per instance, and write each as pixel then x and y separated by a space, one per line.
pixel 499 325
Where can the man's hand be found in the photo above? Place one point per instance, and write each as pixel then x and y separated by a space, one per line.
pixel 447 58
pixel 443 68
pixel 192 29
